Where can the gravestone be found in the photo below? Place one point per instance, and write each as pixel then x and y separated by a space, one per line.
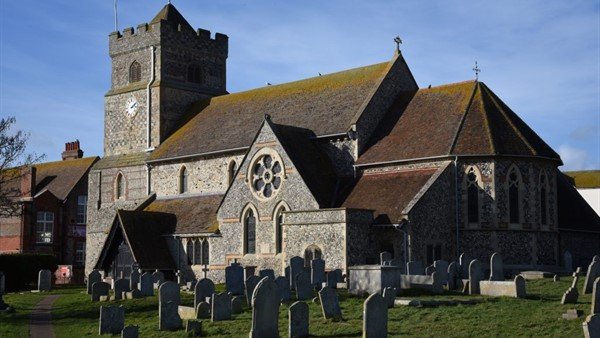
pixel 298 320
pixel 593 272
pixel 168 314
pixel 203 289
pixel 577 272
pixel 415 268
pixel 317 272
pixel 284 288
pixel 496 267
pixel 249 271
pixel 568 261
pixel 99 289
pixel 389 294
pixel 384 258
pixel 475 276
pixel 120 286
pixel 453 276
pixel 146 286
pixel 112 319
pixel 331 280
pixel 234 279
pixel 158 278
pixel 44 280
pixel 296 266
pixel 375 317
pixel 265 309
pixel 287 272
pixel 572 314
pixel 237 305
pixel 133 294
pixel 464 261
pixel 330 304
pixel 596 297
pixel 220 307
pixel 437 286
pixel 339 275
pixel 134 279
pixel 304 289
pixel 93 277
pixel 169 292
pixel 519 281
pixel 571 295
pixel 591 326
pixel 556 278
pixel 130 331
pixel 266 273
pixel 429 270
pixel 250 284
pixel 203 310
pixel 193 328
pixel 441 267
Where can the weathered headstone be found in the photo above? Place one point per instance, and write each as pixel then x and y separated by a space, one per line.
pixel 475 276
pixel 375 317
pixel 464 261
pixel 130 331
pixel 296 266
pixel 591 326
pixel 158 278
pixel 453 276
pixel 571 295
pixel 168 314
pixel 429 270
pixel 437 286
pixel 577 272
pixel 99 289
pixel 250 284
pixel 384 258
pixel 330 304
pixel 332 279
pixel 520 286
pixel 112 319
pixel 169 292
pixel 568 261
pixel 220 307
pixel 266 273
pixel 304 289
pixel 234 279
pixel 93 277
pixel 441 267
pixel 596 297
pixel 44 280
pixel 203 310
pixel 133 294
pixel 284 288
pixel 249 271
pixel 134 279
pixel 556 278
pixel 146 284
pixel 572 314
pixel 237 305
pixel 317 272
pixel 265 309
pixel 120 286
pixel 415 268
pixel 593 272
pixel 193 328
pixel 298 320
pixel 203 289
pixel 496 267
pixel 389 294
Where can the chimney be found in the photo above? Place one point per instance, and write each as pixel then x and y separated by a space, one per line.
pixel 27 181
pixel 72 151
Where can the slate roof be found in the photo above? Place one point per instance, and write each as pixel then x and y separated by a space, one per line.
pixel 60 177
pixel 586 179
pixel 323 104
pixel 120 161
pixel 193 214
pixel 388 194
pixel 464 118
pixel 574 213
pixel 170 14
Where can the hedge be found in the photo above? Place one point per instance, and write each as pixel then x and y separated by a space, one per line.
pixel 21 270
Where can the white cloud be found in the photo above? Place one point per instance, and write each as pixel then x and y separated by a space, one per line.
pixel 574 159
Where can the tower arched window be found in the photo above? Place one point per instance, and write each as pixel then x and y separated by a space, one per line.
pixel 205 252
pixel 194 73
pixel 183 180
pixel 543 199
pixel 312 252
pixel 250 232
pixel 231 170
pixel 120 187
pixel 135 72
pixel 472 196
pixel 278 217
pixel 514 198
pixel 189 249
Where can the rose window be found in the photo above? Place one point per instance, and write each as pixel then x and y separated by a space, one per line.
pixel 267 174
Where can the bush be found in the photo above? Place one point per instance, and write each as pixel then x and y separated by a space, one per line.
pixel 21 270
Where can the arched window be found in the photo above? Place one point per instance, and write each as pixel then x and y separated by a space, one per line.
pixel 189 249
pixel 120 187
pixel 194 74
pixel 310 253
pixel 278 217
pixel 543 199
pixel 205 252
pixel 135 72
pixel 250 232
pixel 183 180
pixel 472 197
pixel 231 170
pixel 514 183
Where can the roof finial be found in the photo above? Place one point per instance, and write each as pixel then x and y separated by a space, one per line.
pixel 169 2
pixel 398 42
pixel 477 71
pixel 267 117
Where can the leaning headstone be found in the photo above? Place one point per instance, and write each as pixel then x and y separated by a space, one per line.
pixel 304 289
pixel 234 279
pixel 453 276
pixel 158 278
pixel 330 304
pixel 112 319
pixel 591 326
pixel 168 314
pixel 298 320
pixel 237 305
pixel 415 268
pixel 464 261
pixel 99 289
pixel 203 289
pixel 375 317
pixel 384 258
pixel 120 286
pixel 265 309
pixel 296 266
pixel 317 272
pixel 220 307
pixel 441 267
pixel 130 331
pixel 266 273
pixel 593 272
pixel 93 277
pixel 332 280
pixel 389 294
pixel 250 284
pixel 203 310
pixel 44 280
pixel 169 292
pixel 134 279
pixel 284 288
pixel 193 328
pixel 146 284
pixel 571 295
pixel 496 267
pixel 596 297
pixel 475 276
pixel 568 261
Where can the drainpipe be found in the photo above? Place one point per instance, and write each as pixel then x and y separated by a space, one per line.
pixel 456 206
pixel 148 179
pixel 149 99
pixel 398 227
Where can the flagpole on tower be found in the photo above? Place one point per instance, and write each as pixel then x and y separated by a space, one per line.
pixel 116 20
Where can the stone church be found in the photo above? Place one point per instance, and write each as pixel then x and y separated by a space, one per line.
pixel 341 166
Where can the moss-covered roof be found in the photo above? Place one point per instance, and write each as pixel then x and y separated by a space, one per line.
pixel 120 161
pixel 193 214
pixel 60 177
pixel 585 179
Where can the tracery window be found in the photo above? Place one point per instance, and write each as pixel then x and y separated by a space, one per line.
pixel 250 232
pixel 267 174
pixel 514 183
pixel 135 72
pixel 190 251
pixel 278 228
pixel 205 252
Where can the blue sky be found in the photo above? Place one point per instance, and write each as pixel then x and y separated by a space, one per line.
pixel 541 57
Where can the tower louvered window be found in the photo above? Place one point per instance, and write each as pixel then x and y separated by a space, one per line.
pixel 135 72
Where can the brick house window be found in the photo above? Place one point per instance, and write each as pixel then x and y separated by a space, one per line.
pixel 514 203
pixel 250 232
pixel 80 253
pixel 44 227
pixel 135 72
pixel 81 209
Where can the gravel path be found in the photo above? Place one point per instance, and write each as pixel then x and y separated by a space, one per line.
pixel 40 319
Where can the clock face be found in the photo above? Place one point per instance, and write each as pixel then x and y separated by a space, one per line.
pixel 131 106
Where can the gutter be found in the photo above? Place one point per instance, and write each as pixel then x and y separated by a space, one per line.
pixel 149 100
pixel 374 164
pixel 183 157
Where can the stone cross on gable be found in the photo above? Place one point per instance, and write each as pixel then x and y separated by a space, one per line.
pixel 205 270
pixel 477 71
pixel 398 42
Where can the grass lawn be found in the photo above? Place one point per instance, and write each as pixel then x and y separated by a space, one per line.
pixel 74 315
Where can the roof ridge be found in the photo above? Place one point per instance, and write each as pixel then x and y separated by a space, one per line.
pixel 486 123
pixel 448 84
pixel 462 119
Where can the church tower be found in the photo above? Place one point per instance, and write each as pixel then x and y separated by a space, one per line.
pixel 158 71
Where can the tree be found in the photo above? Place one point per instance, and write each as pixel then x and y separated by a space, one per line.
pixel 13 159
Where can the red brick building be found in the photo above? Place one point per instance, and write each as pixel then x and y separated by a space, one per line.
pixel 53 210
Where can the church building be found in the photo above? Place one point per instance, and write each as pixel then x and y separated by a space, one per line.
pixel 341 166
